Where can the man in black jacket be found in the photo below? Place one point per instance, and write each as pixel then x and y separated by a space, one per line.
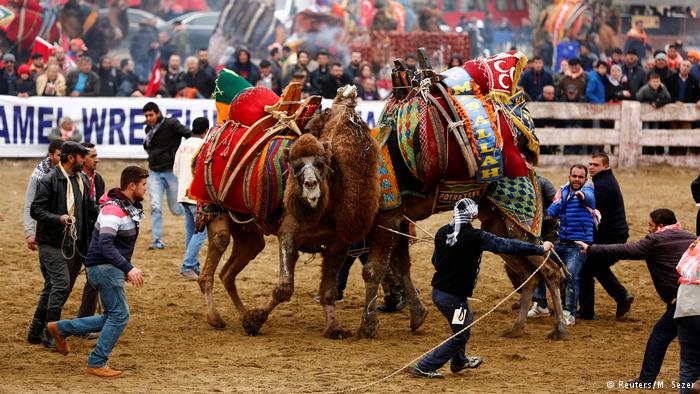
pixel 334 80
pixel 63 211
pixel 457 257
pixel 163 136
pixel 633 72
pixel 612 229
pixel 683 87
pixel 662 248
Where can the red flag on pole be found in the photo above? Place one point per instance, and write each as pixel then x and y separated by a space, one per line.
pixel 43 47
pixel 154 82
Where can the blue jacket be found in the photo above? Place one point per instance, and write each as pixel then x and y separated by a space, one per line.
pixel 575 220
pixel 595 90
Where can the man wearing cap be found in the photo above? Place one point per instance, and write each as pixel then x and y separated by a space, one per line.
pixel 8 75
pixel 37 67
pixel 661 68
pixel 63 210
pixel 77 49
pixel 457 257
pixel 633 72
pixel 83 82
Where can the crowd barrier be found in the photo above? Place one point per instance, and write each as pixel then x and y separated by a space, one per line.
pixel 116 126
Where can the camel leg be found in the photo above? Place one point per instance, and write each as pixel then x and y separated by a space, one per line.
pixel 333 259
pixel 552 277
pixel 383 244
pixel 219 238
pixel 253 319
pixel 401 267
pixel 246 245
pixel 522 265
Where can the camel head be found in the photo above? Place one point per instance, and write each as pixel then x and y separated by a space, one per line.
pixel 306 195
pixel 347 95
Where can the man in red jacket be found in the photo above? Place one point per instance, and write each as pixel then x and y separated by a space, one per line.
pixel 661 248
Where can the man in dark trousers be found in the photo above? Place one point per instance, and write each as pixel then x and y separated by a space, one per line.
pixel 163 136
pixel 63 211
pixel 457 257
pixel 611 230
pixel 662 248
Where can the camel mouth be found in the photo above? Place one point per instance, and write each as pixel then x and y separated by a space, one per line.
pixel 312 202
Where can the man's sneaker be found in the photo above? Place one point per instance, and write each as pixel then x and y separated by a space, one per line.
pixel 472 362
pixel 91 336
pixel 569 319
pixel 537 311
pixel 415 371
pixel 61 344
pixel 157 244
pixel 337 301
pixel 103 372
pixel 189 275
pixel 624 307
pixel 392 308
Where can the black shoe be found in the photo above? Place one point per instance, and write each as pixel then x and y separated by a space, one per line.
pixel 583 315
pixel 35 339
pixel 415 371
pixel 624 307
pixel 387 308
pixel 36 332
pixel 402 304
pixel 472 362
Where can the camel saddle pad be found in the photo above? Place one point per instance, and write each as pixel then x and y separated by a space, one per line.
pixel 390 195
pixel 449 193
pixel 265 179
pixel 519 199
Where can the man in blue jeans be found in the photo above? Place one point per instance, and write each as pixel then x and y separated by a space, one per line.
pixel 108 265
pixel 183 169
pixel 574 205
pixel 457 257
pixel 163 137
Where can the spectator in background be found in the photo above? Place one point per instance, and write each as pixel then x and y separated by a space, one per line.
pixel 694 58
pixel 83 82
pixel 274 59
pixel 51 83
pixel 365 72
pixel 633 73
pixel 368 89
pixel 302 78
pixel 244 67
pixel 574 76
pixel 108 82
pixel 142 88
pixel 674 58
pixel 203 58
pixel 179 40
pixel 535 79
pixel 636 40
pixel 174 77
pixel 595 89
pixel 654 92
pixel 563 68
pixel 8 76
pixel 334 81
pixel 25 86
pixel 37 67
pixel 198 79
pixel 167 48
pixel 77 50
pixel 143 49
pixel 128 79
pixel 683 87
pixel 302 64
pixel 661 68
pixel 616 57
pixel 548 94
pixel 64 61
pixel 268 78
pixel 353 69
pixel 318 75
pixel 411 62
pixel 616 88
pixel 456 61
pixel 66 131
pixel 648 66
pixel 588 59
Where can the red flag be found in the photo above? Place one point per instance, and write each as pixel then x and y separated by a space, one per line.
pixel 43 47
pixel 154 82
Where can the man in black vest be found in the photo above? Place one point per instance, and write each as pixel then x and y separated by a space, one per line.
pixel 457 257
pixel 163 136
pixel 612 229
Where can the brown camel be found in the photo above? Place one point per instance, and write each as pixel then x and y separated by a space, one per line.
pixel 391 250
pixel 330 200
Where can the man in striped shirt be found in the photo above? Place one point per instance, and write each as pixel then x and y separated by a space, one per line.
pixel 108 265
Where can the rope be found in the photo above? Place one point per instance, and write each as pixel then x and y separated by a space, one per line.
pixel 404 234
pixel 72 231
pixel 419 227
pixel 448 339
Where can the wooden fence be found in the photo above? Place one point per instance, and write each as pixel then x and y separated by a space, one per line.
pixel 625 141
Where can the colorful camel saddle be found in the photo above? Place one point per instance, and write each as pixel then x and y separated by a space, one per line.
pixel 240 165
pixel 519 200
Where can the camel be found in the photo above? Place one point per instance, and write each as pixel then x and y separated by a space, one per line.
pixel 330 201
pixel 391 250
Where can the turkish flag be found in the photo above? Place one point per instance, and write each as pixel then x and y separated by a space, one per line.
pixel 43 47
pixel 154 82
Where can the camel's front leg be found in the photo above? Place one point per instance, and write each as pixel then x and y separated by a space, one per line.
pixel 401 268
pixel 333 259
pixel 523 266
pixel 256 317
pixel 219 238
pixel 552 276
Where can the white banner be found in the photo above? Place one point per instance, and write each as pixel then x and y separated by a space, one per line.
pixel 114 124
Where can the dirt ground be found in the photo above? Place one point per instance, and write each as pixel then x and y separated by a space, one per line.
pixel 168 346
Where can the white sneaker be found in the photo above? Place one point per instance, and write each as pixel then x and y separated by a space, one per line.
pixel 569 319
pixel 537 311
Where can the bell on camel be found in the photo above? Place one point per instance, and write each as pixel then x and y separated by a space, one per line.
pixel 229 85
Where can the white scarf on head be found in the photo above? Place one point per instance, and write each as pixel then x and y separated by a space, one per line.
pixel 465 210
pixel 70 198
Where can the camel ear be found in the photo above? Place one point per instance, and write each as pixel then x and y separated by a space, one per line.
pixel 285 154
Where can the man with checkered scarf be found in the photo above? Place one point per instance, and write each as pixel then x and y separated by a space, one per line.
pixel 457 258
